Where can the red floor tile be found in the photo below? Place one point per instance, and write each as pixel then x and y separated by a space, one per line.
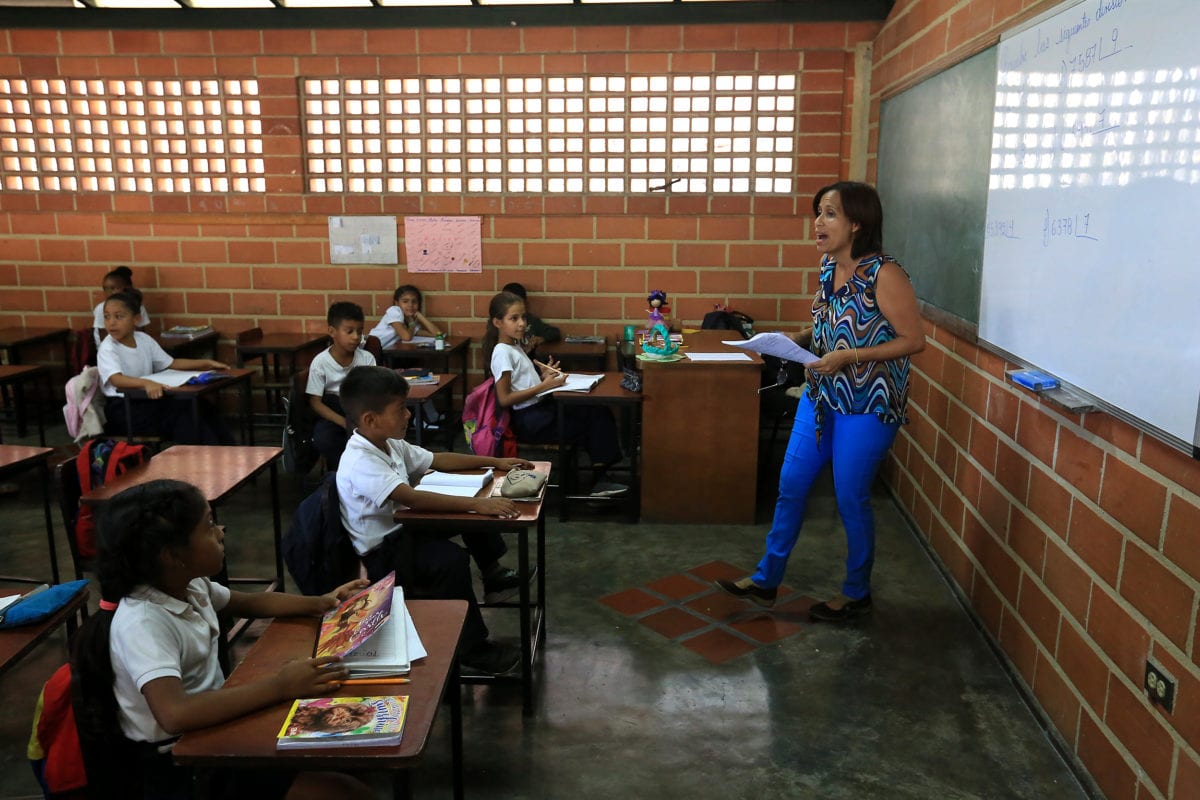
pixel 631 602
pixel 718 646
pixel 719 606
pixel 677 586
pixel 718 569
pixel 673 623
pixel 765 627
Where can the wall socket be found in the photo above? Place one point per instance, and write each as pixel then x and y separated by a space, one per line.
pixel 1160 687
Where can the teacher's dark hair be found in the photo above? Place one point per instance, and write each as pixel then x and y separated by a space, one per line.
pixel 860 203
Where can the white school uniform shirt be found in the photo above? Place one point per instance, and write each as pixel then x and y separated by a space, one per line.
pixel 506 358
pixel 366 478
pixel 142 321
pixel 325 375
pixel 386 333
pixel 146 357
pixel 153 636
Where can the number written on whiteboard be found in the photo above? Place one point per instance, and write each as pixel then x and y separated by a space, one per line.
pixel 1067 226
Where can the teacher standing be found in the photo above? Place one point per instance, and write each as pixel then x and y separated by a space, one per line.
pixel 866 324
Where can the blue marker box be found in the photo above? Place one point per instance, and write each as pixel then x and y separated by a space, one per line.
pixel 1033 379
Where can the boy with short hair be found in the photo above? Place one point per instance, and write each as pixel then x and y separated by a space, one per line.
pixel 325 375
pixel 378 472
pixel 537 330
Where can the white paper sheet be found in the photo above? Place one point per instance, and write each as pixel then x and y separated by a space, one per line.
pixel 718 357
pixel 776 344
pixel 174 377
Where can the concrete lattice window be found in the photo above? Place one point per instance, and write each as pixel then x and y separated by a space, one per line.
pixel 105 135
pixel 596 134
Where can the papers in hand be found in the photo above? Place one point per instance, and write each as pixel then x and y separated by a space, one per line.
pixel 778 345
pixel 454 483
pixel 576 382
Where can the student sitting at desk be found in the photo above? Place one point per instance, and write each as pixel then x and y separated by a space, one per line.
pixel 535 418
pixel 118 280
pixel 537 331
pixel 326 373
pixel 147 663
pixel 126 357
pixel 403 320
pixel 377 475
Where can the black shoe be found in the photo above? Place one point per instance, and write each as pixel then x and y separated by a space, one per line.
pixel 746 589
pixel 491 658
pixel 504 585
pixel 850 609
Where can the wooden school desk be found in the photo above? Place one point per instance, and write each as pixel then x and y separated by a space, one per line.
pixel 532 612
pixel 249 741
pixel 273 349
pixel 14 340
pixel 192 394
pixel 457 347
pixel 607 392
pixel 577 356
pixel 217 471
pixel 418 394
pixel 700 435
pixel 203 345
pixel 17 376
pixel 15 643
pixel 15 459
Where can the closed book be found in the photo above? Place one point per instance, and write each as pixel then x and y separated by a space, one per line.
pixel 459 484
pixel 187 331
pixel 343 722
pixel 368 631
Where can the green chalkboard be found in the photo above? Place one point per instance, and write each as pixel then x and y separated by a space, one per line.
pixel 934 150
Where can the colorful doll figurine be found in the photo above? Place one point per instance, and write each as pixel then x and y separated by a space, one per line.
pixel 658 304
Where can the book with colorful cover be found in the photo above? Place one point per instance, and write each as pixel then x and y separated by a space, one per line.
pixel 343 722
pixel 345 628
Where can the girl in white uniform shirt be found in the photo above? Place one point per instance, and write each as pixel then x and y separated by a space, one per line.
pixel 118 280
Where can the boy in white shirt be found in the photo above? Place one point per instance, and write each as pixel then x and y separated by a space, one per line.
pixel 378 472
pixel 326 373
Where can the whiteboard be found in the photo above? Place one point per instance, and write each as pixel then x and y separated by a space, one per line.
pixel 1091 261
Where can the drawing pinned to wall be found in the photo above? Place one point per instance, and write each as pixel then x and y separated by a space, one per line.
pixel 363 240
pixel 443 244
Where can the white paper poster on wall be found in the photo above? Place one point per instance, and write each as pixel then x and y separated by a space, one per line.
pixel 363 240
pixel 443 244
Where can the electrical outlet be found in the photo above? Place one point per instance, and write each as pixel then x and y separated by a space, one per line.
pixel 1160 687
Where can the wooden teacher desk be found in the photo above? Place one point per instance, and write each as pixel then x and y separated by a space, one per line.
pixel 700 435
pixel 249 741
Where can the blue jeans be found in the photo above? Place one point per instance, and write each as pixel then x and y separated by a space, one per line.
pixel 855 443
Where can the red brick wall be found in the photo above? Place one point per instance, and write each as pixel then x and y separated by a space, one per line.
pixel 1076 537
pixel 239 261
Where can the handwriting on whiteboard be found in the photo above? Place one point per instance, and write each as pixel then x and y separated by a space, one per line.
pixel 443 244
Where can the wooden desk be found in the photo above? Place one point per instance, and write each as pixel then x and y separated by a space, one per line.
pixel 217 472
pixel 190 347
pixel 18 338
pixel 192 394
pixel 16 376
pixel 700 435
pixel 15 459
pixel 417 395
pixel 532 613
pixel 272 349
pixel 457 347
pixel 15 643
pixel 577 356
pixel 607 392
pixel 249 741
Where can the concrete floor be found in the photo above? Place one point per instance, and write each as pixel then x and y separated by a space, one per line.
pixel 909 703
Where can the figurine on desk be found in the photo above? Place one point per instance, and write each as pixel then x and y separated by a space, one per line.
pixel 659 309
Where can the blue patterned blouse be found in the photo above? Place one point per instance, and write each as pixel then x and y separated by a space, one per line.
pixel 850 318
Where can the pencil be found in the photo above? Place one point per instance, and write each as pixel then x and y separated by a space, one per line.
pixel 369 681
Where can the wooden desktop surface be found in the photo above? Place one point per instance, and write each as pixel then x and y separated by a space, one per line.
pixel 466 521
pixel 216 470
pixel 419 393
pixel 16 642
pixel 577 356
pixel 20 335
pixel 283 342
pixel 15 457
pixel 700 428
pixel 249 741
pixel 607 392
pixel 426 352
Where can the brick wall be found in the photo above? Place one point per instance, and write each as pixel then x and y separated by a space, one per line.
pixel 238 261
pixel 1075 537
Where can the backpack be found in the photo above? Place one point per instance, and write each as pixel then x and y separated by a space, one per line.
pixel 84 411
pixel 722 319
pixel 487 426
pixel 83 353
pixel 99 461
pixel 299 452
pixel 54 751
pixel 317 549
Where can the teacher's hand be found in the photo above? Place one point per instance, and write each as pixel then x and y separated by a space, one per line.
pixel 832 362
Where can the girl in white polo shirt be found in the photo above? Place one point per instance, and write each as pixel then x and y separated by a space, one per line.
pixel 147 663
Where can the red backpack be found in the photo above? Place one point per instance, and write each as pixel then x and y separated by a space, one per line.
pixel 486 424
pixel 98 462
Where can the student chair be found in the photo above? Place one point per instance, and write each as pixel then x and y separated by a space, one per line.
pixel 66 477
pixel 375 347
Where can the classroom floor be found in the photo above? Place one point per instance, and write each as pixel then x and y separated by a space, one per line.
pixel 652 684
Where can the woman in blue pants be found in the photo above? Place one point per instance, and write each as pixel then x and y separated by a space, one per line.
pixel 866 324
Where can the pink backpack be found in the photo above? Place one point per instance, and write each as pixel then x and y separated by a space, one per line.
pixel 84 413
pixel 486 424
